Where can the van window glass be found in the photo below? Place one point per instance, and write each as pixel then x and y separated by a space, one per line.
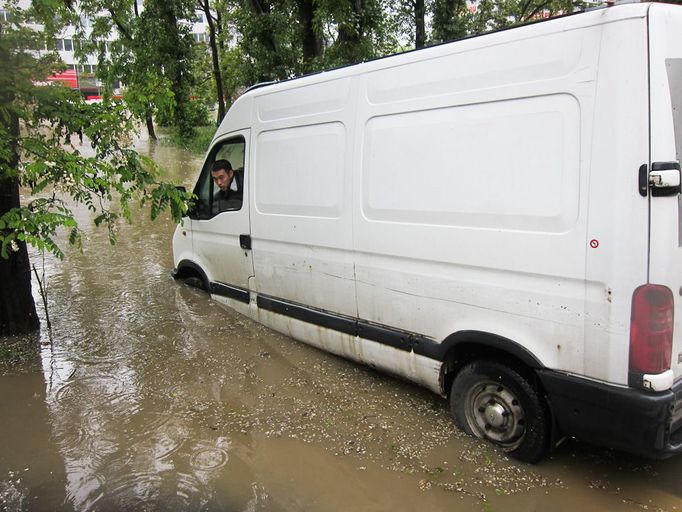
pixel 674 68
pixel 220 187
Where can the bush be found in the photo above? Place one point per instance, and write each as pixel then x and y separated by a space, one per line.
pixel 203 135
pixel 196 114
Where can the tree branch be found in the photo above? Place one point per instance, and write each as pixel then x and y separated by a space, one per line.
pixel 537 9
pixel 121 28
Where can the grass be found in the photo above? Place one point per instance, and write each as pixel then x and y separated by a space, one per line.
pixel 198 144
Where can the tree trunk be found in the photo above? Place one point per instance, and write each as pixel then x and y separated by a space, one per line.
pixel 214 57
pixel 222 42
pixel 17 308
pixel 150 125
pixel 419 26
pixel 312 42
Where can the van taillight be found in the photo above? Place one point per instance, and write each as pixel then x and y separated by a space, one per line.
pixel 651 329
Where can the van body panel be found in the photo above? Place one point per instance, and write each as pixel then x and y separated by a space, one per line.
pixel 240 117
pixel 297 103
pixel 301 212
pixel 423 370
pixel 182 242
pixel 665 263
pixel 473 201
pixel 617 249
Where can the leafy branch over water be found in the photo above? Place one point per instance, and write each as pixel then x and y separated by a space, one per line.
pixel 115 174
pixel 41 123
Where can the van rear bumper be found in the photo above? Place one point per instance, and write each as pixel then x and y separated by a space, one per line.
pixel 636 421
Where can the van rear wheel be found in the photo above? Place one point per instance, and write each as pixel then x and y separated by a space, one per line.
pixel 494 402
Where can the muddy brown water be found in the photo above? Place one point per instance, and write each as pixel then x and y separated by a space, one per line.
pixel 149 396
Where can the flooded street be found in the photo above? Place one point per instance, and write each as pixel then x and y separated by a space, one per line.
pixel 149 396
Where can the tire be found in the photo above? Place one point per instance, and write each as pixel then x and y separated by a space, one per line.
pixel 195 282
pixel 494 402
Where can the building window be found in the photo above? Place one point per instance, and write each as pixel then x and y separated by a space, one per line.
pixel 65 45
pixel 200 38
pixel 88 69
pixel 5 15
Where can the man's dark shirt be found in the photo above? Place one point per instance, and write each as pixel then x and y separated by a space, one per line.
pixel 229 199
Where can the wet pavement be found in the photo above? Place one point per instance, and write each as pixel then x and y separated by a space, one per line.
pixel 147 395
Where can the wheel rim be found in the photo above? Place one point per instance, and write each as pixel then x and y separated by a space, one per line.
pixel 494 412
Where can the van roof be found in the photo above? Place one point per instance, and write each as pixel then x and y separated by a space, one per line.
pixel 641 9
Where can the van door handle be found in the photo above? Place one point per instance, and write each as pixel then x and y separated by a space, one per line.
pixel 245 242
pixel 664 178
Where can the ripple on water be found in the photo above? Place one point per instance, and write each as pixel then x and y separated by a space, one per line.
pixel 207 459
pixel 144 423
pixel 93 359
pixel 190 493
pixel 84 491
pixel 132 488
pixel 100 387
pixel 158 435
pixel 154 490
pixel 96 401
pixel 75 435
pixel 167 444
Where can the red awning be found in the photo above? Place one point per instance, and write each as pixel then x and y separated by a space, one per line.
pixel 68 77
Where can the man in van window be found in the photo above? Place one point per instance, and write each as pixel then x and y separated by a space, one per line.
pixel 230 187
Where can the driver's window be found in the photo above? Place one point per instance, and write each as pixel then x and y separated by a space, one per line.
pixel 221 185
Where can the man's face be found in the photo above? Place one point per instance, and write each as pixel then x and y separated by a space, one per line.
pixel 222 178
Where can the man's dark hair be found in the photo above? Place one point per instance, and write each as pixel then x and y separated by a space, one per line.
pixel 221 165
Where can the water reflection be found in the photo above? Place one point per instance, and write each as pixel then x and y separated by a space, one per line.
pixel 32 475
pixel 118 415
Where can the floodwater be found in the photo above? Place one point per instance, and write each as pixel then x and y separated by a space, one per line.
pixel 147 395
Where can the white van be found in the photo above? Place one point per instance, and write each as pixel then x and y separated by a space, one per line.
pixel 497 219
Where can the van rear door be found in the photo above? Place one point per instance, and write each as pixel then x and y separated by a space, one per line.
pixel 665 249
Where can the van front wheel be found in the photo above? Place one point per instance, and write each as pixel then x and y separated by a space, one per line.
pixel 195 282
pixel 494 402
